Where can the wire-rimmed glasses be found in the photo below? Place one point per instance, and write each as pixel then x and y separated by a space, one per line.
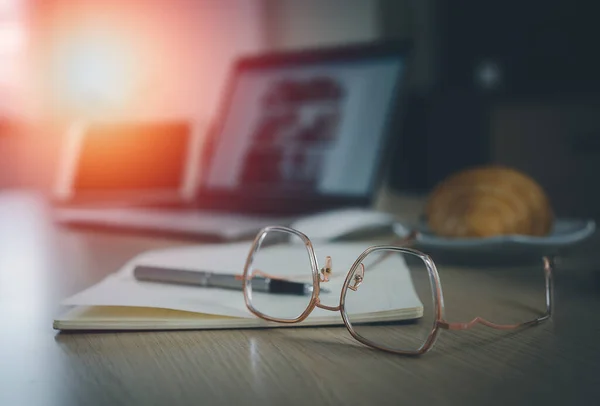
pixel 390 299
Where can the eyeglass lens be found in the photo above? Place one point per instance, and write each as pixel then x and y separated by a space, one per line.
pixel 393 305
pixel 280 256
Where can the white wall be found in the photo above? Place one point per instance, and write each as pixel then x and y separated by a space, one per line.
pixel 208 35
pixel 181 51
pixel 12 45
pixel 178 51
pixel 306 23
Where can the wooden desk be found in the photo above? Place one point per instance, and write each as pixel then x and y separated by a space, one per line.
pixel 554 363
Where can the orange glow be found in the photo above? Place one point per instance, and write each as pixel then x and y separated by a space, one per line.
pixel 101 58
pixel 115 59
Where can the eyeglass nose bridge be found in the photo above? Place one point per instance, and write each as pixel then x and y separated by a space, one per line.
pixel 327 270
pixel 325 273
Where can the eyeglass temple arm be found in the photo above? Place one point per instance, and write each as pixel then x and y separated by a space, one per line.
pixel 402 242
pixel 548 273
pixel 258 273
pixel 407 240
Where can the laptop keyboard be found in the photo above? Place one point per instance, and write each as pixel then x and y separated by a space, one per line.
pixel 195 222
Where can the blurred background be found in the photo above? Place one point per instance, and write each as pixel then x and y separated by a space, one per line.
pixel 512 82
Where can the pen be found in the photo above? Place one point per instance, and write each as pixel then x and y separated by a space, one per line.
pixel 218 280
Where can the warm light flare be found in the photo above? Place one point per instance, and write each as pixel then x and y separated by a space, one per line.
pixel 96 73
pixel 115 59
pixel 10 7
pixel 99 59
pixel 12 38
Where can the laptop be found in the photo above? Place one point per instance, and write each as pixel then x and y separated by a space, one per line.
pixel 297 133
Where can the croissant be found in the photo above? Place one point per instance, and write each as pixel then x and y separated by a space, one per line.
pixel 489 201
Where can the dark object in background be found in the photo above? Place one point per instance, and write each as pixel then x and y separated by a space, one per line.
pixel 442 134
pixel 555 141
pixel 536 48
pixel 515 83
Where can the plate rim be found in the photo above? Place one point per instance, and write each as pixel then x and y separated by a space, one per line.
pixel 587 229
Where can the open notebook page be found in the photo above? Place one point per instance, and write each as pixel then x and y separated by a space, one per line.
pixel 122 289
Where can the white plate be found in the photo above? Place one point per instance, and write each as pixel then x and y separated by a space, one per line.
pixel 566 233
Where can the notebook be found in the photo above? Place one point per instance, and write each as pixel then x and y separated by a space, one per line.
pixel 121 302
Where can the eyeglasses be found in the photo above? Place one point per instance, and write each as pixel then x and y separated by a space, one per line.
pixel 390 299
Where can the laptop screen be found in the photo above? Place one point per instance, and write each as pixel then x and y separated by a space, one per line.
pixel 297 131
pixel 306 129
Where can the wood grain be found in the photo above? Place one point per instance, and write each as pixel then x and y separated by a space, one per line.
pixel 554 363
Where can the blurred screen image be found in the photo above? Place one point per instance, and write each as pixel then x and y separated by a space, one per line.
pixel 297 128
pixel 306 130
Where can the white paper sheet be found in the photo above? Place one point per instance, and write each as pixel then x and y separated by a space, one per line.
pixel 394 289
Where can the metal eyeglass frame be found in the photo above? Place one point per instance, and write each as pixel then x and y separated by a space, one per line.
pixel 440 323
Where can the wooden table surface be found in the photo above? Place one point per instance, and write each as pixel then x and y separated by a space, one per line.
pixel 553 363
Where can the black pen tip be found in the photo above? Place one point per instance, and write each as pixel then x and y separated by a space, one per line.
pixel 286 287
